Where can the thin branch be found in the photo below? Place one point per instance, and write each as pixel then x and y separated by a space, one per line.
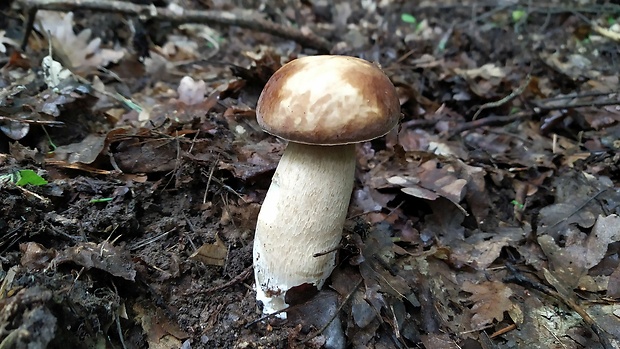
pixel 551 8
pixel 237 279
pixel 33 122
pixel 577 105
pixel 514 94
pixel 145 12
pixel 578 95
pixel 488 121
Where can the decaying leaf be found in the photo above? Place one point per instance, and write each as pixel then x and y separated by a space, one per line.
pixel 491 299
pixel 103 256
pixel 606 230
pixel 77 52
pixel 36 256
pixel 14 129
pixel 484 81
pixel 613 285
pixel 212 254
pixel 570 264
pixel 85 151
pixel 439 341
pixel 431 182
pixel 575 204
pixel 160 330
pixel 480 249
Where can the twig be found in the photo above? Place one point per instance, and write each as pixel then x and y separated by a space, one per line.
pixel 204 198
pixel 554 335
pixel 242 276
pixel 150 240
pixel 506 99
pixel 421 123
pixel 33 122
pixel 146 12
pixel 503 331
pixel 488 121
pixel 551 8
pixel 577 95
pixel 335 314
pixel 223 185
pixel 576 105
pixel 575 211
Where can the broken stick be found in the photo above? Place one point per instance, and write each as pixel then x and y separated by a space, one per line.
pixel 145 12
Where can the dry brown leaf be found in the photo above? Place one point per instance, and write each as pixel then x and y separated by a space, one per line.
pixel 491 299
pixel 606 230
pixel 86 151
pixel 480 250
pixel 613 285
pixel 484 81
pixel 439 341
pixel 35 256
pixel 431 182
pixel 103 256
pixel 570 264
pixel 212 254
pixel 77 52
pixel 160 331
pixel 567 266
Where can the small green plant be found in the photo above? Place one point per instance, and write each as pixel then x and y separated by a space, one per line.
pixel 49 139
pixel 95 201
pixel 519 205
pixel 518 15
pixel 410 19
pixel 611 20
pixel 23 177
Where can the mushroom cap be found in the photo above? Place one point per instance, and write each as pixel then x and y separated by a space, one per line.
pixel 328 100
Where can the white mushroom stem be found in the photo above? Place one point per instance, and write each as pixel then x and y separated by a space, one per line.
pixel 303 214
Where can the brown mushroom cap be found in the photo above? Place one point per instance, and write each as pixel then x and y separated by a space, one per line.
pixel 328 100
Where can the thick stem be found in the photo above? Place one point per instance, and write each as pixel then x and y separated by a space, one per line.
pixel 303 214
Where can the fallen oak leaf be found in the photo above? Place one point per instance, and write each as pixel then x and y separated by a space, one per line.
pixel 491 299
pixel 78 52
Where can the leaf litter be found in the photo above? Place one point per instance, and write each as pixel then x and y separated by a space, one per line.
pixel 489 218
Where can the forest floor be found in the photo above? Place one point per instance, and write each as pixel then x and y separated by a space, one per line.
pixel 132 170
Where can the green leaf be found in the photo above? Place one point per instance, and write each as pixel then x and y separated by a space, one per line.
pixel 25 177
pixel 95 201
pixel 517 15
pixel 407 18
pixel 611 21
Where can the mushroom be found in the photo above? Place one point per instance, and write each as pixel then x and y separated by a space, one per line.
pixel 322 105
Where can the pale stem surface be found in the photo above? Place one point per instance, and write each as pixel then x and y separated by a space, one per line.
pixel 303 213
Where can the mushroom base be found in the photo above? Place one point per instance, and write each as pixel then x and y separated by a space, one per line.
pixel 303 214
